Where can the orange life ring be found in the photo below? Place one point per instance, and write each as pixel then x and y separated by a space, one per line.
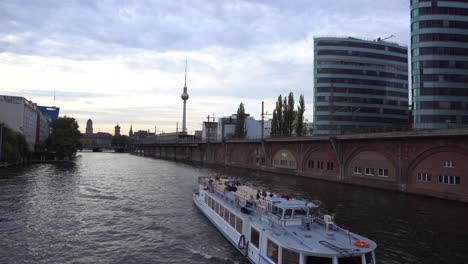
pixel 361 243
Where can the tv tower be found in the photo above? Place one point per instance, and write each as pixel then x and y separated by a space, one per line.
pixel 184 97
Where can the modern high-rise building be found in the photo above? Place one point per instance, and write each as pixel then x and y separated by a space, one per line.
pixel 359 83
pixel 439 43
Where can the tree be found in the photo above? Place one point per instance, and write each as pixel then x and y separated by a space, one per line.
pixel 288 115
pixel 65 137
pixel 120 141
pixel 240 131
pixel 14 146
pixel 277 121
pixel 300 126
pixel 274 124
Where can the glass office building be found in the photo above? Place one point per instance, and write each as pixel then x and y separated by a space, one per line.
pixel 359 84
pixel 439 47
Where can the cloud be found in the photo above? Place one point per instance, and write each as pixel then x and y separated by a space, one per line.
pixel 123 61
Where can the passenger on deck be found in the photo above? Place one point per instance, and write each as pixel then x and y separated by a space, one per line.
pixel 250 202
pixel 264 194
pixel 258 194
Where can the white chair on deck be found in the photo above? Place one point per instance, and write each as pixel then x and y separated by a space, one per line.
pixel 328 221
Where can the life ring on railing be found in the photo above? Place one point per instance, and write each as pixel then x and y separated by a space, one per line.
pixel 361 243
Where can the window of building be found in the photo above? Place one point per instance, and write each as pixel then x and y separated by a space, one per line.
pixel 289 257
pixel 311 164
pixel 424 177
pixel 255 237
pixel 383 172
pixel 357 170
pixel 320 163
pixel 370 171
pixel 449 179
pixel 272 251
pixel 448 164
pixel 329 165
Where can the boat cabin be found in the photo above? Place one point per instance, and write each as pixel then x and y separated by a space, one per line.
pixel 290 212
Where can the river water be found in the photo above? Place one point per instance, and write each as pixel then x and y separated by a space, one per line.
pixel 119 208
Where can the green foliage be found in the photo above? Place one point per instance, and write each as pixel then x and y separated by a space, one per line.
pixel 240 131
pixel 65 137
pixel 300 125
pixel 286 120
pixel 120 141
pixel 288 115
pixel 14 146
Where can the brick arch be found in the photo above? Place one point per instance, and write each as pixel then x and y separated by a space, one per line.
pixel 435 150
pixel 377 158
pixel 309 152
pixel 291 156
pixel 430 162
pixel 358 151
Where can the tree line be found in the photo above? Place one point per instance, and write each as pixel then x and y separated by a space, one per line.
pixel 288 121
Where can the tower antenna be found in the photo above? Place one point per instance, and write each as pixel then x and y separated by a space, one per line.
pixel 185 83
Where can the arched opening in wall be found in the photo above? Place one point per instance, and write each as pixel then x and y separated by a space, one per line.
pixel 441 171
pixel 284 159
pixel 371 164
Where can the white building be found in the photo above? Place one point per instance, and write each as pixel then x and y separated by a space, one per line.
pixel 209 131
pixel 22 116
pixel 227 127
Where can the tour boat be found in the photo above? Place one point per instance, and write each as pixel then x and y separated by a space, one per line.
pixel 268 229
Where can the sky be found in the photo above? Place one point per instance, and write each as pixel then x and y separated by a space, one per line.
pixel 122 62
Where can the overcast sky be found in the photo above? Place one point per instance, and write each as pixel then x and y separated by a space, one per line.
pixel 123 61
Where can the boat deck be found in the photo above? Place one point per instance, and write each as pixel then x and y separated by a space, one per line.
pixel 317 240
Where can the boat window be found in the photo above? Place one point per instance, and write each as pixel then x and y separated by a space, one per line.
pixel 272 251
pixel 239 225
pixel 290 257
pixel 255 237
pixel 279 212
pixel 274 210
pixel 232 220
pixel 299 213
pixel 287 213
pixel 226 215
pixel 221 210
pixel 352 260
pixel 216 207
pixel 318 260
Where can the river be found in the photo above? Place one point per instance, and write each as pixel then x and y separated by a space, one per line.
pixel 119 208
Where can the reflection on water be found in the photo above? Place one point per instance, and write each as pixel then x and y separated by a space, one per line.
pixel 118 208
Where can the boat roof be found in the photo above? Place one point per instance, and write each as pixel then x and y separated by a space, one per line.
pixel 291 203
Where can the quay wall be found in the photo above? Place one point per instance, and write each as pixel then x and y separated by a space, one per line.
pixel 431 164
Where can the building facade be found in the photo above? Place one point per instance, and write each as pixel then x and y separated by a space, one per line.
pixel 439 42
pixel 359 83
pixel 23 116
